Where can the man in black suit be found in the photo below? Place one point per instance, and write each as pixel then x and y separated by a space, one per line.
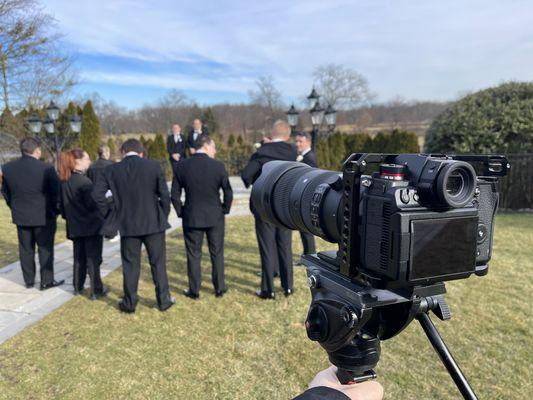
pixel 198 130
pixel 31 189
pixel 307 156
pixel 274 242
pixel 141 204
pixel 96 170
pixel 175 146
pixel 202 177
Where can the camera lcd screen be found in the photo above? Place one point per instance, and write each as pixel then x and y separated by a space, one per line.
pixel 441 247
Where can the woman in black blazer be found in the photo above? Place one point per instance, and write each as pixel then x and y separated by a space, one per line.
pixel 83 220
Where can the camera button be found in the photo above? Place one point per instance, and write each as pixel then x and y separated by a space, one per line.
pixel 404 196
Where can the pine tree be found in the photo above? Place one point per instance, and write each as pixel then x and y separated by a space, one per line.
pixel 112 148
pixel 90 136
pixel 157 151
pixel 208 120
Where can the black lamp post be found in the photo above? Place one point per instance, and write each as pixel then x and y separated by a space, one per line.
pixel 53 139
pixel 319 115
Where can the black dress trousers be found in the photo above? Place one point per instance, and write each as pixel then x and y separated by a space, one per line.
pixel 87 259
pixel 43 237
pixel 308 241
pixel 275 250
pixel 193 244
pixel 130 249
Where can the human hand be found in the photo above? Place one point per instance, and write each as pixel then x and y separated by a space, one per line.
pixel 369 390
pixel 176 156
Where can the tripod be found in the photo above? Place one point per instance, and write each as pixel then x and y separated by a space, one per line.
pixel 363 352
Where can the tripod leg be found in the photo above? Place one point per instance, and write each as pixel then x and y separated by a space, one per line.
pixel 446 357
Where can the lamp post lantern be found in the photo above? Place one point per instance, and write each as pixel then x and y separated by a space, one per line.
pixel 52 111
pixel 320 116
pixel 292 117
pixel 35 123
pixel 56 135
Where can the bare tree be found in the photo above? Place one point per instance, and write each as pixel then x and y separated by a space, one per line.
pixel 32 68
pixel 340 86
pixel 266 94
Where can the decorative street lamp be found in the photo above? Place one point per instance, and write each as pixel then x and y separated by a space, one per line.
pixel 55 139
pixel 52 111
pixel 292 117
pixel 35 123
pixel 319 115
pixel 313 98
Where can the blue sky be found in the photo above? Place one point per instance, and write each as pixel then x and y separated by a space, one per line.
pixel 134 51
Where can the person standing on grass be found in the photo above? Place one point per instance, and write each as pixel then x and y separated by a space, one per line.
pixel 141 204
pixel 30 188
pixel 175 146
pixel 198 130
pixel 274 242
pixel 202 177
pixel 96 169
pixel 307 156
pixel 83 221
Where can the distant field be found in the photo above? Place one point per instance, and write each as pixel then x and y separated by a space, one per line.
pixel 240 347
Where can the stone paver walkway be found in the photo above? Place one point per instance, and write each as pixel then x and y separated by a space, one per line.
pixel 21 307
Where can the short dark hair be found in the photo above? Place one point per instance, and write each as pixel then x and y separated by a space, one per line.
pixel 103 148
pixel 29 144
pixel 203 139
pixel 132 145
pixel 304 134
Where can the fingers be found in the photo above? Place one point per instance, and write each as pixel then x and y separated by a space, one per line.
pixel 369 390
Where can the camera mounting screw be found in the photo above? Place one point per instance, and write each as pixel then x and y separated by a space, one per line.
pixel 349 316
pixel 312 281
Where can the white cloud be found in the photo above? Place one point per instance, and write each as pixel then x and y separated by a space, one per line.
pixel 413 48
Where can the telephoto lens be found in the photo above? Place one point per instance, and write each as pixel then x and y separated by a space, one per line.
pixel 296 196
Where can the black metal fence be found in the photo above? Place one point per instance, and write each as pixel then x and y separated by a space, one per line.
pixel 517 187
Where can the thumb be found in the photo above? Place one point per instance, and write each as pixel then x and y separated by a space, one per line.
pixel 369 390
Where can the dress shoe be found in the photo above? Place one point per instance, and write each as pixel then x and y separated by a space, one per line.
pixel 288 292
pixel 78 292
pixel 104 292
pixel 265 295
pixel 171 302
pixel 191 295
pixel 52 284
pixel 220 293
pixel 125 309
pixel 29 285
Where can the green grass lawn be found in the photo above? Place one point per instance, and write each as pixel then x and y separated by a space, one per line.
pixel 240 347
pixel 8 235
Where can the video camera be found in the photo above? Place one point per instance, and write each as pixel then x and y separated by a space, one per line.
pixel 404 224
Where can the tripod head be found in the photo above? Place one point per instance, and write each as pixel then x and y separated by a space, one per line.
pixel 349 319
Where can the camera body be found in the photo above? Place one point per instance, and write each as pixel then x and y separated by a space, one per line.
pixel 410 234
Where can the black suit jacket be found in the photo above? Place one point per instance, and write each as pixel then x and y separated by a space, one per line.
pixel 310 159
pixel 202 178
pixel 141 202
pixel 175 147
pixel 30 188
pixel 191 142
pixel 78 207
pixel 268 152
pixel 96 170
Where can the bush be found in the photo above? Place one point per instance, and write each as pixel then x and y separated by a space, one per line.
pixel 332 152
pixel 495 120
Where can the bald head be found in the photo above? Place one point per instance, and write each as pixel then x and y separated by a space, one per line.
pixel 281 130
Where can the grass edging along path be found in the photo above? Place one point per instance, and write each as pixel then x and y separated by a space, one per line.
pixel 239 347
